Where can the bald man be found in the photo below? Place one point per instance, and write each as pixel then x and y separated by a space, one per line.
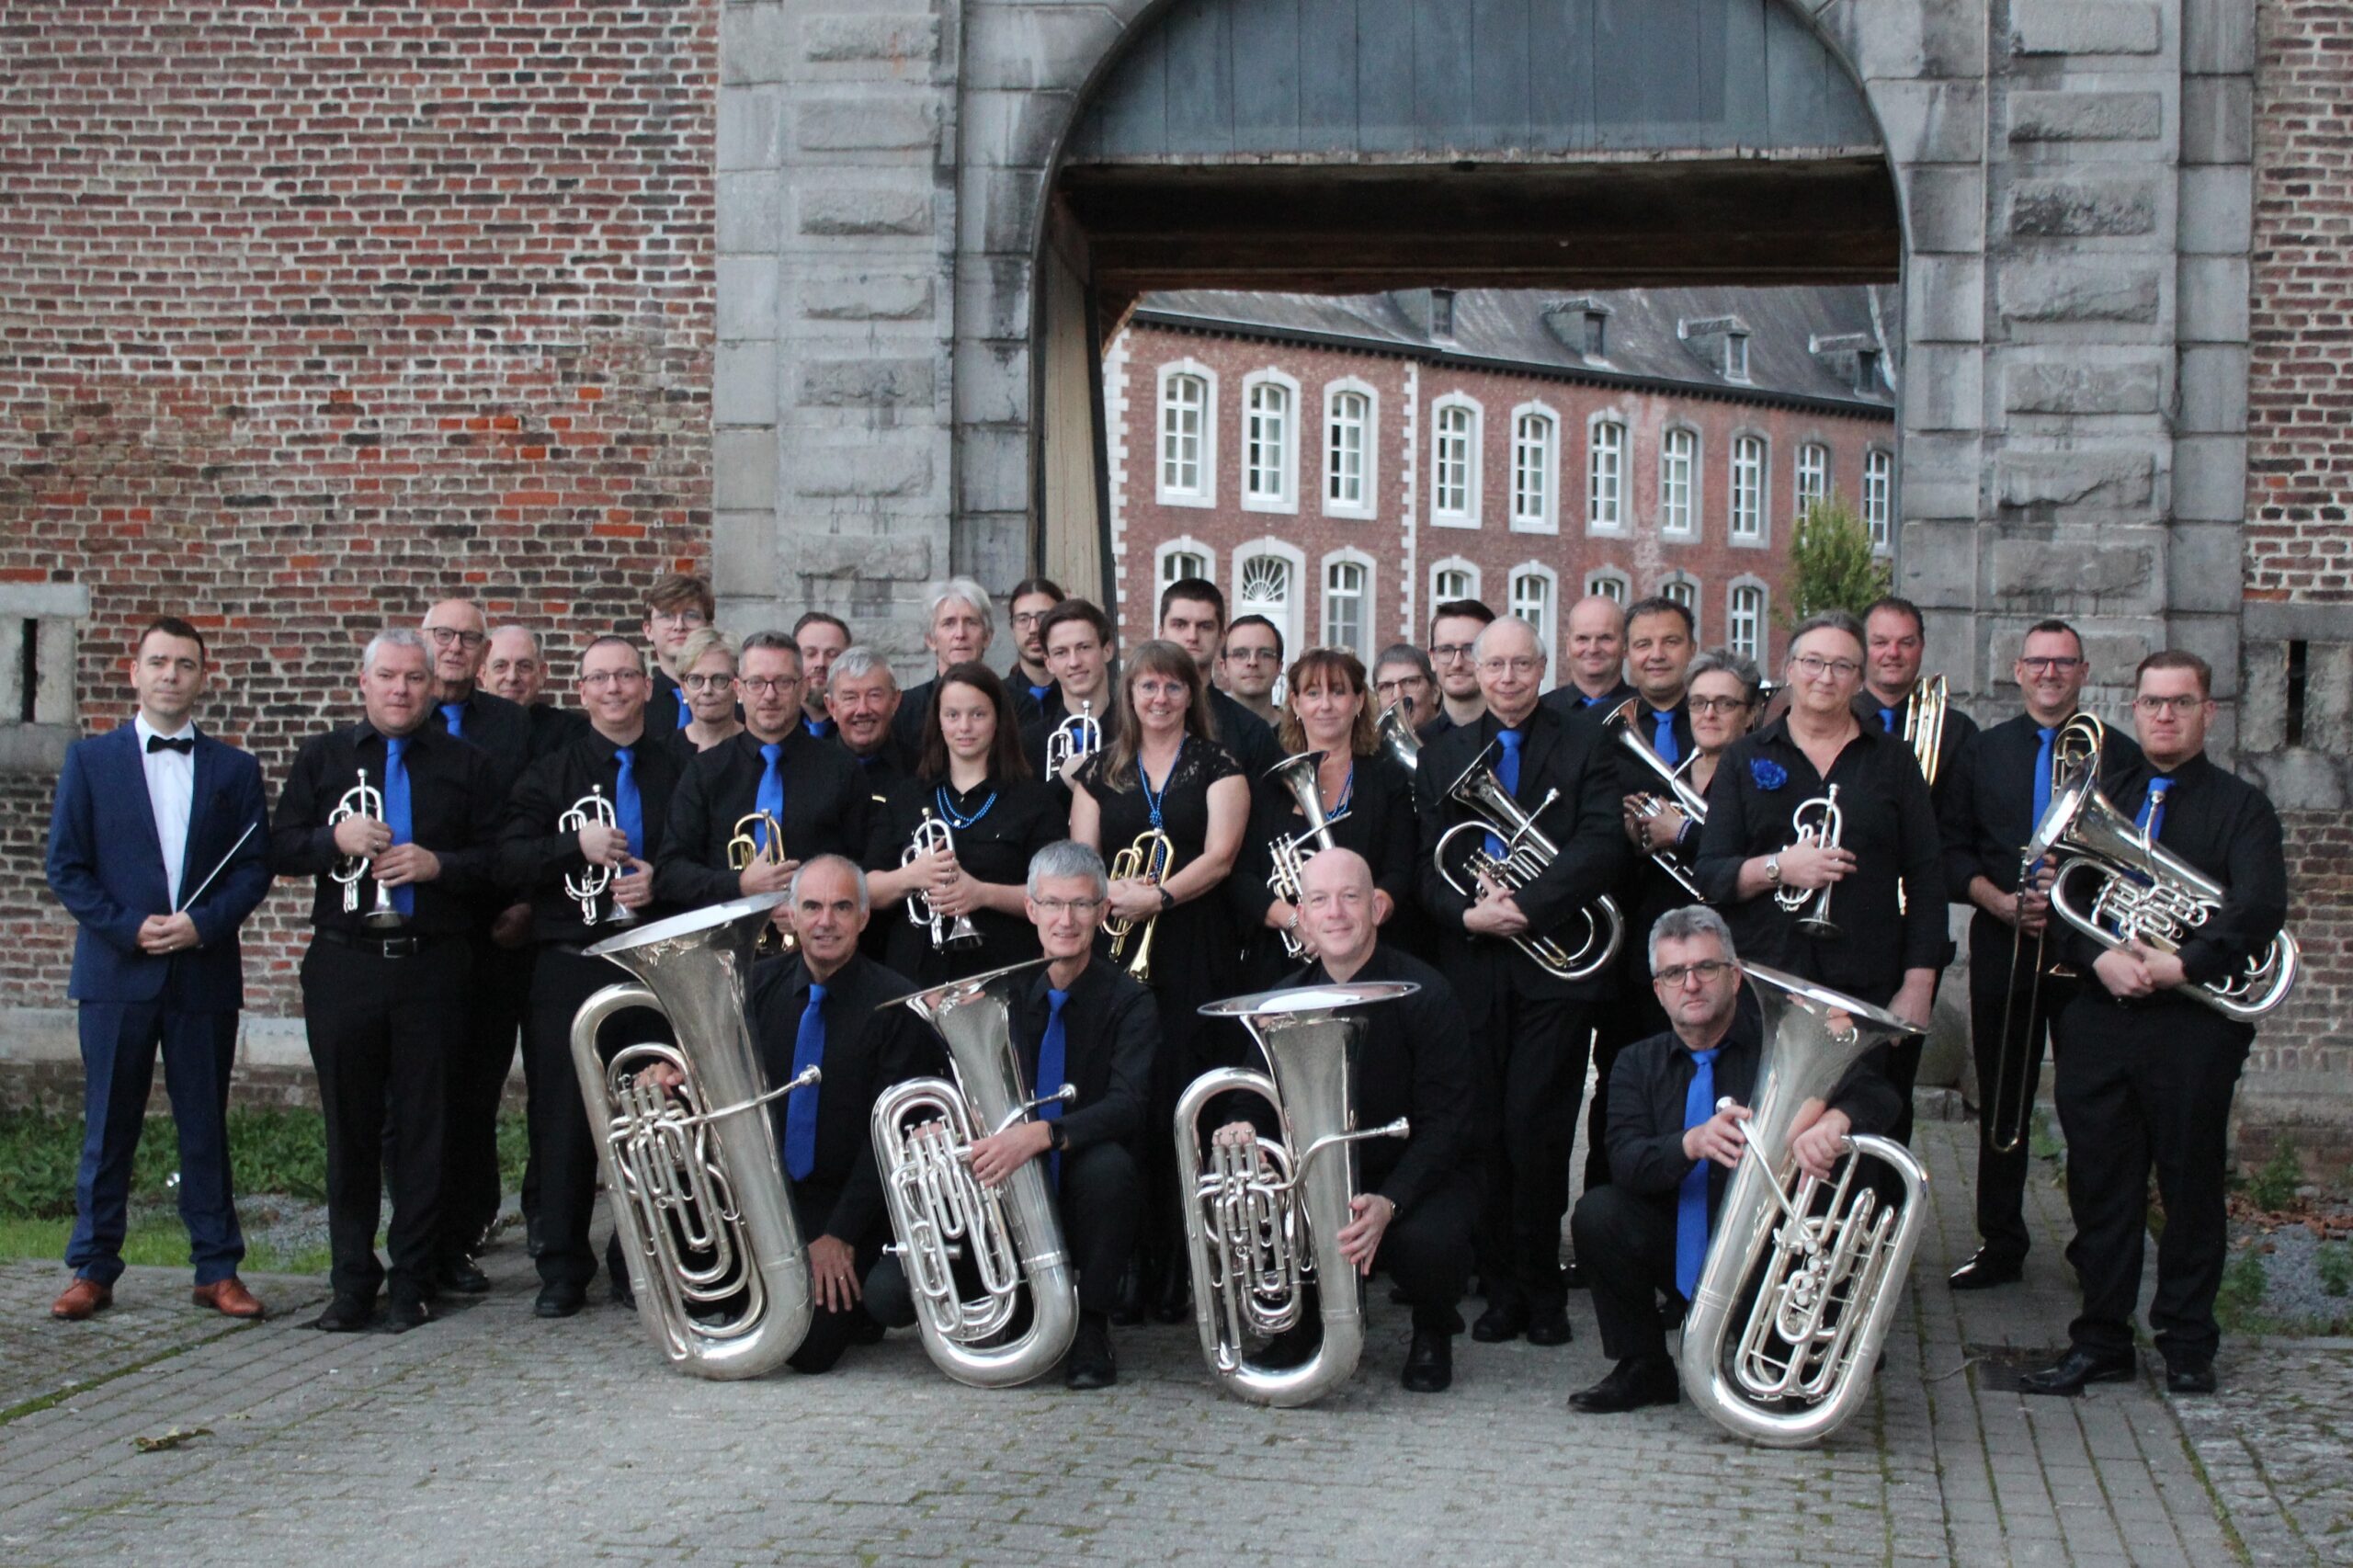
pixel 514 670
pixel 1596 632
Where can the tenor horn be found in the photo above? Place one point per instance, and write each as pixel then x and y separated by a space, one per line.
pixel 1076 739
pixel 1817 1268
pixel 1009 1238
pixel 1290 851
pixel 1265 1220
pixel 1527 852
pixel 1689 801
pixel 699 1194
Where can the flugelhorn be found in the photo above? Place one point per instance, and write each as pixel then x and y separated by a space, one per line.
pixel 1817 824
pixel 1076 739
pixel 1818 1276
pixel 2139 891
pixel 697 1189
pixel 1150 858
pixel 1292 851
pixel 1689 801
pixel 930 835
pixel 759 840
pixel 592 810
pixel 1009 1237
pixel 363 799
pixel 1395 732
pixel 1924 724
pixel 1265 1220
pixel 1527 852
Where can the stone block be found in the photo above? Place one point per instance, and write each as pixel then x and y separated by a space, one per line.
pixel 2209 478
pixel 2074 207
pixel 903 558
pixel 904 44
pixel 742 469
pixel 2217 209
pixel 752 43
pixel 998 210
pixel 1945 299
pixel 2085 117
pixel 1940 562
pixel 749 129
pixel 2081 568
pixel 1942 476
pixel 2074 387
pixel 865 384
pixel 868 296
pixel 1931 121
pixel 2203 566
pixel 1012 130
pixel 2105 288
pixel 2217 120
pixel 746 297
pixel 2211 299
pixel 743 552
pixel 992 382
pixel 1056 47
pixel 993 469
pixel 1892 43
pixel 866 124
pixel 748 205
pixel 2213 638
pixel 892 468
pixel 1944 387
pixel 1946 207
pixel 2218 38
pixel 859 211
pixel 2212 390
pixel 744 383
pixel 2100 479
pixel 2085 27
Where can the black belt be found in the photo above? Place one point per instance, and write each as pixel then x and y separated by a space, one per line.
pixel 406 947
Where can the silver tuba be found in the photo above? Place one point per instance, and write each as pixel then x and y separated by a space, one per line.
pixel 592 810
pixel 1395 732
pixel 1818 1272
pixel 945 936
pixel 363 799
pixel 1686 800
pixel 1527 853
pixel 1076 739
pixel 2144 893
pixel 1267 1217
pixel 1010 1237
pixel 1290 852
pixel 1815 823
pixel 698 1193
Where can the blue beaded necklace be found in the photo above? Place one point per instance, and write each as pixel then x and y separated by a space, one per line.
pixel 1152 798
pixel 954 818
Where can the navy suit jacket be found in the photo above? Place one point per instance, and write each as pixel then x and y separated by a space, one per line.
pixel 106 865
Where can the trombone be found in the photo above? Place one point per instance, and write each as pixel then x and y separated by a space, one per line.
pixel 1817 824
pixel 592 810
pixel 1924 724
pixel 362 800
pixel 930 835
pixel 2080 738
pixel 759 841
pixel 1150 858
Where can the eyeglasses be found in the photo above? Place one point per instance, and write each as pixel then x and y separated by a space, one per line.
pixel 1028 617
pixel 1814 666
pixel 2184 705
pixel 679 618
pixel 1524 665
pixel 444 635
pixel 2047 667
pixel 1446 653
pixel 706 683
pixel 761 688
pixel 1055 908
pixel 1674 976
pixel 597 678
pixel 1392 687
pixel 1717 704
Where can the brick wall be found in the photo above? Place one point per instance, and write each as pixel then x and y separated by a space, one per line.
pixel 313 314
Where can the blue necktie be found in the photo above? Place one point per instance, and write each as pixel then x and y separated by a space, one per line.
pixel 629 806
pixel 2042 775
pixel 1663 738
pixel 1037 693
pixel 1507 772
pixel 452 719
pixel 686 714
pixel 397 815
pixel 771 796
pixel 1691 1197
pixel 800 1108
pixel 818 728
pixel 2153 810
pixel 1050 1066
pixel 1887 719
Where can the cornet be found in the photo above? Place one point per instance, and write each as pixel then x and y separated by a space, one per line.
pixel 592 810
pixel 1646 805
pixel 1526 854
pixel 1817 824
pixel 1290 852
pixel 1076 739
pixel 759 840
pixel 362 800
pixel 931 833
pixel 1150 858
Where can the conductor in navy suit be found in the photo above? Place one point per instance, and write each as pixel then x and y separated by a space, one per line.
pixel 159 848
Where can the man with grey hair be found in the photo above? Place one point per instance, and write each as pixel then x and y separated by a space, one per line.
pixel 864 698
pixel 386 975
pixel 517 671
pixel 1672 1150
pixel 959 623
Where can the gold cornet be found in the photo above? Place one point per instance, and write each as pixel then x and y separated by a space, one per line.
pixel 759 840
pixel 362 800
pixel 1150 858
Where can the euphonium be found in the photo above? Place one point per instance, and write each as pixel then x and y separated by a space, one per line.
pixel 362 800
pixel 1076 739
pixel 1151 857
pixel 1924 724
pixel 592 810
pixel 1396 734
pixel 1688 800
pixel 1268 1218
pixel 932 833
pixel 2147 893
pixel 1817 824
pixel 1527 853
pixel 698 1193
pixel 1290 852
pixel 1819 1277
pixel 759 840
pixel 1010 1237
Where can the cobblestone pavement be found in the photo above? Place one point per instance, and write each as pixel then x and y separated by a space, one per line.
pixel 494 1437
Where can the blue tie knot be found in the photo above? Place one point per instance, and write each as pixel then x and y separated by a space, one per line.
pixel 771 751
pixel 1057 999
pixel 2046 735
pixel 816 992
pixel 453 714
pixel 1511 739
pixel 1887 719
pixel 393 746
pixel 625 756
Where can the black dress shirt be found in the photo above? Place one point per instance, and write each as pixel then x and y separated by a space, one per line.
pixel 662 703
pixel 915 707
pixel 882 770
pixel 1380 826
pixel 870 1047
pixel 535 856
pixel 1986 801
pixel 455 796
pixel 827 810
pixel 1024 818
pixel 1247 738
pixel 1959 729
pixel 1413 1060
pixel 553 728
pixel 499 727
pixel 1890 827
pixel 1570 701
pixel 1049 706
pixel 1110 1029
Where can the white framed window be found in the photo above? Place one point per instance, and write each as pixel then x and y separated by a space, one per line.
pixel 1748 490
pixel 1683 590
pixel 1879 496
pixel 1604 477
pixel 1188 474
pixel 1535 469
pixel 1535 594
pixel 1814 476
pixel 1678 480
pixel 1611 585
pixel 1744 618
pixel 1736 357
pixel 1269 442
pixel 1177 558
pixel 1347 602
pixel 1454 462
pixel 1453 578
pixel 1351 428
pixel 1269 579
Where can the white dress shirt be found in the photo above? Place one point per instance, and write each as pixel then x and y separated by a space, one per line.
pixel 171 795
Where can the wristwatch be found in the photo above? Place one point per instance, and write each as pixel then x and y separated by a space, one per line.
pixel 1167 902
pixel 1772 871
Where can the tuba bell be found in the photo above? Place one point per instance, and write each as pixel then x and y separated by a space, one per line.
pixel 1290 852
pixel 363 799
pixel 1010 1238
pixel 1689 801
pixel 1267 1219
pixel 1396 735
pixel 698 1193
pixel 592 810
pixel 1817 1268
pixel 1527 853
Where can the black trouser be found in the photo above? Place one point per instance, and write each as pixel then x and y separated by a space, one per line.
pixel 1534 1078
pixel 2141 1087
pixel 2001 1175
pixel 831 1333
pixel 1427 1252
pixel 380 1029
pixel 1626 1246
pixel 479 1061
pixel 1633 1014
pixel 564 1143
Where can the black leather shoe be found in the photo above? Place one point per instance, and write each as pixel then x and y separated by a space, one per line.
pixel 1549 1326
pixel 462 1276
pixel 345 1314
pixel 2191 1375
pixel 617 1291
pixel 2067 1376
pixel 1429 1364
pixel 559 1301
pixel 1631 1385
pixel 1572 1276
pixel 1984 1271
pixel 1397 1297
pixel 1176 1301
pixel 1090 1365
pixel 1500 1323
pixel 1127 1311
pixel 406 1313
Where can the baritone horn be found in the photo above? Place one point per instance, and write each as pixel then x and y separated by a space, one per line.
pixel 592 810
pixel 1264 1221
pixel 1150 858
pixel 1689 801
pixel 1290 851
pixel 1527 853
pixel 759 840
pixel 1076 739
pixel 1009 1238
pixel 698 1190
pixel 1817 824
pixel 1818 1268
pixel 931 834
pixel 363 799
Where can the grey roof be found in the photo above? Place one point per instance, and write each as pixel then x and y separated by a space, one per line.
pixel 1802 342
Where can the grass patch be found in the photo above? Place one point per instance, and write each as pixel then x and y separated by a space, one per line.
pixel 160 1242
pixel 2240 1302
pixel 2334 1262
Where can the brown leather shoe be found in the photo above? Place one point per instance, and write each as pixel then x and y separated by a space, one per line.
pixel 81 1299
pixel 228 1297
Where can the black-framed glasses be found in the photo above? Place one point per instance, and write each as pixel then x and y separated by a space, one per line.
pixel 2042 666
pixel 706 683
pixel 762 685
pixel 1674 976
pixel 444 635
pixel 2186 704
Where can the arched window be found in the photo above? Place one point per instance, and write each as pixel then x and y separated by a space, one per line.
pixel 1533 595
pixel 1879 496
pixel 1534 455
pixel 1348 431
pixel 1454 464
pixel 1679 466
pixel 1187 436
pixel 1748 490
pixel 1814 476
pixel 1683 590
pixel 1452 580
pixel 1745 619
pixel 1605 478
pixel 1267 581
pixel 1179 559
pixel 1269 452
pixel 1610 583
pixel 1347 604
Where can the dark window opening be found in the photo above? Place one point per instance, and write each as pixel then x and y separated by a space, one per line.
pixel 28 670
pixel 1442 312
pixel 2296 663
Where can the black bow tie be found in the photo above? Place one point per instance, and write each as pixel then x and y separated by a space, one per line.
pixel 184 744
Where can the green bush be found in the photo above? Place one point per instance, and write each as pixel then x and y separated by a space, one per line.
pixel 2274 1187
pixel 1831 563
pixel 2240 1301
pixel 2335 1263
